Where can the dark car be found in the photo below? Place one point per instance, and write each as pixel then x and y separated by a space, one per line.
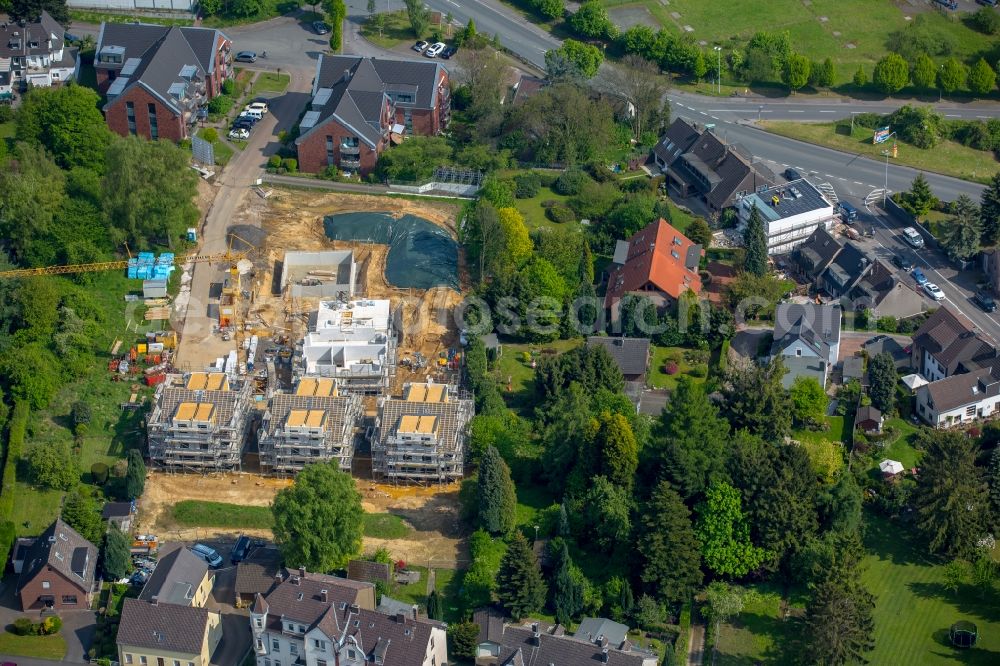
pixel 320 27
pixel 71 39
pixel 987 3
pixel 899 261
pixel 246 56
pixel 240 550
pixel 984 301
pixel 792 174
pixel 245 122
pixel 449 52
pixel 948 4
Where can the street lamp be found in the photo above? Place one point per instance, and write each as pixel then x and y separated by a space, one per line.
pixel 718 71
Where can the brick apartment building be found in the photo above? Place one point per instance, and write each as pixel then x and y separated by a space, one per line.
pixel 157 79
pixel 362 105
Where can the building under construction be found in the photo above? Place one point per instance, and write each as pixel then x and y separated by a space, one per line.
pixel 199 422
pixel 314 424
pixel 353 342
pixel 420 437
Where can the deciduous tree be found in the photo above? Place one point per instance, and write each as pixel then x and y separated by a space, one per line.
pixel 795 71
pixel 497 497
pixel 924 72
pixel 66 121
pixel 573 61
pixel 809 401
pixel 592 21
pixel 982 78
pixel 669 547
pixel 724 533
pixel 699 232
pixel 117 554
pixel 517 242
pixel 952 75
pixel 318 519
pixel 883 378
pixel 520 587
pixel 419 16
pixel 891 73
pixel 51 465
pixel 30 10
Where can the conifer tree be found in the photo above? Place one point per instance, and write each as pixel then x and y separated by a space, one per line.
pixel 755 243
pixel 669 547
pixel 989 212
pixel 567 593
pixel 135 476
pixel 497 497
pixel 520 588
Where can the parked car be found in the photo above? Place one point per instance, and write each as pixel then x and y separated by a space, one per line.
pixel 449 52
pixel 934 291
pixel 70 38
pixel 913 237
pixel 984 301
pixel 244 123
pixel 241 549
pixel 246 56
pixel 320 27
pixel 208 554
pixel 256 106
pixel 256 114
pixel 947 4
pixel 435 50
pixel 792 174
pixel 919 277
pixel 987 3
pixel 239 133
pixel 420 46
pixel 899 261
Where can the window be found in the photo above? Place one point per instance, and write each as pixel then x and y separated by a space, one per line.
pixel 267 662
pixel 320 662
pixel 302 629
pixel 970 410
pixel 128 658
pixel 142 659
pixel 350 654
pixel 130 114
pixel 46 584
pixel 177 662
pixel 275 645
pixel 293 648
pixel 798 352
pixel 154 132
pixel 329 150
pixel 318 644
pixel 258 622
pixel 69 599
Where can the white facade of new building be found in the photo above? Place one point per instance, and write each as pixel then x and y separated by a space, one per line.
pixel 791 212
pixel 353 341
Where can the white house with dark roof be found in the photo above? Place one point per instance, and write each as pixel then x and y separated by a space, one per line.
pixel 948 344
pixel 960 399
pixel 34 54
pixel 807 337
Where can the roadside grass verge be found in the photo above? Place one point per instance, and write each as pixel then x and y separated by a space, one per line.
pixel 395 31
pixel 947 158
pixel 270 82
pixel 40 647
pixel 913 607
pixel 84 16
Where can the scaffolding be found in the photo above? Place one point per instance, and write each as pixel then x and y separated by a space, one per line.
pixel 419 437
pixel 199 423
pixel 315 424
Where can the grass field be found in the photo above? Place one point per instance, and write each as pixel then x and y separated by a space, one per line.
pixel 948 158
pixel 850 32
pixel 270 82
pixel 901 447
pixel 657 376
pixel 759 634
pixel 834 434
pixel 34 510
pixel 385 526
pixel 40 647
pixel 913 610
pixel 533 212
pixel 395 31
pixel 679 218
pixel 521 376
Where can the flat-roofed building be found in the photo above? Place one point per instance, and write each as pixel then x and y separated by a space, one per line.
pixel 353 342
pixel 420 436
pixel 315 423
pixel 790 212
pixel 199 421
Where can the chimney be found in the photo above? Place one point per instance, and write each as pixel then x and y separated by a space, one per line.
pixel 416 610
pixel 605 656
pixel 302 572
pixel 278 577
pixel 294 580
pixel 155 600
pixel 347 75
pixel 324 596
pixel 536 636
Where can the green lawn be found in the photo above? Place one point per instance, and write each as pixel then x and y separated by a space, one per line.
pixel 270 82
pixel 534 213
pixel 913 610
pixel 679 218
pixel 223 152
pixel 834 434
pixel 901 447
pixel 532 503
pixel 850 32
pixel 759 634
pixel 385 526
pixel 513 370
pixel 949 158
pixel 34 510
pixel 39 647
pixel 657 376
pixel 395 31
pixel 198 513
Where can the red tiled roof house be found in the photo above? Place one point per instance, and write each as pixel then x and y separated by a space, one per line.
pixel 658 262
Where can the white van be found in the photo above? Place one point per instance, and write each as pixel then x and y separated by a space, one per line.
pixel 256 114
pixel 913 237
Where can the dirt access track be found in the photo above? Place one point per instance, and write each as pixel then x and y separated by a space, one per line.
pixel 432 513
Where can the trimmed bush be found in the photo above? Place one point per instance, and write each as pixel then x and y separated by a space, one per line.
pixel 547 178
pixel 291 164
pixel 99 473
pixel 571 182
pixel 51 625
pixel 526 185
pixel 671 368
pixel 274 162
pixel 210 134
pixel 24 627
pixel 560 214
pixel 228 87
pixel 220 104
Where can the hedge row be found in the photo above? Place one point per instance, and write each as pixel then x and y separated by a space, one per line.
pixel 681 646
pixel 15 445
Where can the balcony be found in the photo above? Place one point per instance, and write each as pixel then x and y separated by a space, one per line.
pixel 346 149
pixel 350 162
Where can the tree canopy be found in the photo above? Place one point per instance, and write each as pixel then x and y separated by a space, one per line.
pixel 725 534
pixel 497 498
pixel 669 547
pixel 520 587
pixel 318 519
pixel 755 242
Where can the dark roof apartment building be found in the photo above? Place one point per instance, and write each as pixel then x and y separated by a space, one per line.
pixel 58 570
pixel 699 164
pixel 157 79
pixel 361 105
pixel 947 344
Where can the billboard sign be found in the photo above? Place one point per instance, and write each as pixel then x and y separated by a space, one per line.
pixel 881 134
